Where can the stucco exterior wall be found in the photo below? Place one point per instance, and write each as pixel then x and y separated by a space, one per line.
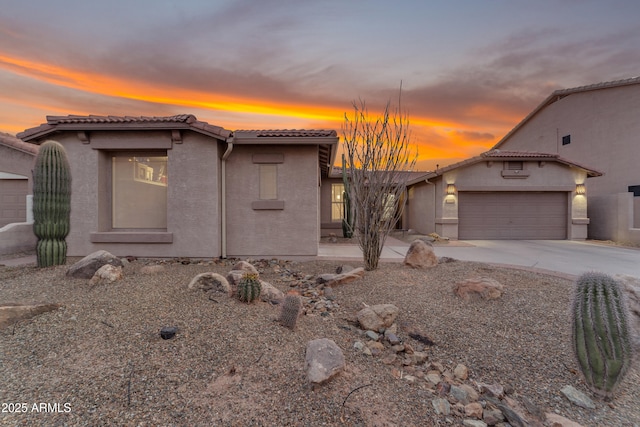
pixel 15 184
pixel 287 226
pixel 16 162
pixel 193 213
pixel 420 208
pixel 604 129
pixel 432 209
pixel 613 216
pixel 17 237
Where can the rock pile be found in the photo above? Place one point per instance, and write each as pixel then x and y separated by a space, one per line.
pixel 455 393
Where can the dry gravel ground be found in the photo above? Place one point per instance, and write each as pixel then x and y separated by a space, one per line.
pixel 230 364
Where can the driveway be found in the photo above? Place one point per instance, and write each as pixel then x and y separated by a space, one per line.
pixel 564 256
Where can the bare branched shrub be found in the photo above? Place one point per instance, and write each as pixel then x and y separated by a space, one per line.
pixel 379 154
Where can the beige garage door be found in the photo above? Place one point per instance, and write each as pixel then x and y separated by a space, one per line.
pixel 13 201
pixel 512 215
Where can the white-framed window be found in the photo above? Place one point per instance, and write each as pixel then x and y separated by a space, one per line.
pixel 337 202
pixel 139 183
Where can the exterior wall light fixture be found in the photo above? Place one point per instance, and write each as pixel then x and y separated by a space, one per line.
pixel 581 189
pixel 451 189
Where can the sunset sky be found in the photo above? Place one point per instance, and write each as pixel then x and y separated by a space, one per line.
pixel 470 70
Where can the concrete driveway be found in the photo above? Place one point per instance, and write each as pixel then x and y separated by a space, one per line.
pixel 564 256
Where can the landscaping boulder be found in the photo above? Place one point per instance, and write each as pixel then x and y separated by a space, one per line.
pixel 631 286
pixel 377 317
pixel 106 274
pixel 420 255
pixel 234 276
pixel 342 278
pixel 11 313
pixel 210 281
pixel 478 288
pixel 324 359
pixel 269 293
pixel 87 266
pixel 245 267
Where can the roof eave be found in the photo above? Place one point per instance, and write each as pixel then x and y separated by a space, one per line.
pixel 286 140
pixel 89 127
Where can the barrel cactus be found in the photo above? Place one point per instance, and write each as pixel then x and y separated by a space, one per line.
pixel 601 334
pixel 290 310
pixel 51 203
pixel 249 287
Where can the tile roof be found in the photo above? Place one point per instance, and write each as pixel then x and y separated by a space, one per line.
pixel 503 155
pixel 17 144
pixel 183 118
pixel 74 122
pixel 596 86
pixel 518 154
pixel 180 121
pixel 295 133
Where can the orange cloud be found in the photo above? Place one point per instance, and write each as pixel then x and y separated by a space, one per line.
pixel 141 91
pixel 439 140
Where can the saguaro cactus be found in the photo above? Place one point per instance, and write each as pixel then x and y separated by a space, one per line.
pixel 601 335
pixel 51 203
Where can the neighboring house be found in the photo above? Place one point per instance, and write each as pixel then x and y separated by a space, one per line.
pixel 596 125
pixel 179 187
pixel 502 195
pixel 16 164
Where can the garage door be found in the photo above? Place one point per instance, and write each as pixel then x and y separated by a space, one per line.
pixel 512 215
pixel 13 201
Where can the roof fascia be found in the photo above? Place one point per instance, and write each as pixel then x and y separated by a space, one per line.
pixel 120 127
pixel 286 140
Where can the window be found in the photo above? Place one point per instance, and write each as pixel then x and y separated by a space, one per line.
pixel 515 166
pixel 139 190
pixel 337 202
pixel 389 207
pixel 566 140
pixel 268 181
pixel 635 189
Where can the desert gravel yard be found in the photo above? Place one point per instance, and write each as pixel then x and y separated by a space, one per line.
pixel 100 357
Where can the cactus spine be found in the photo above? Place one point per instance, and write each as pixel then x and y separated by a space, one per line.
pixel 347 217
pixel 249 287
pixel 51 203
pixel 601 335
pixel 290 311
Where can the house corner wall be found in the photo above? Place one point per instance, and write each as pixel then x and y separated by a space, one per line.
pixel 420 208
pixel 193 213
pixel 286 226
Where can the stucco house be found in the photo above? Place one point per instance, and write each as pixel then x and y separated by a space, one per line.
pixel 16 163
pixel 179 187
pixel 502 195
pixel 595 125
